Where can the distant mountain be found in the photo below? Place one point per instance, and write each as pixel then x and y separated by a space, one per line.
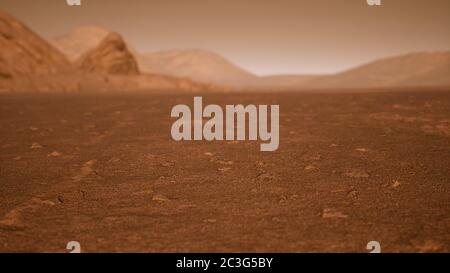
pixel 283 82
pixel 410 70
pixel 98 59
pixel 79 41
pixel 416 69
pixel 28 63
pixel 199 65
pixel 111 56
pixel 23 53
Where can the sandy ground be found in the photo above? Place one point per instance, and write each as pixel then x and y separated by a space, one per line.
pixel 104 171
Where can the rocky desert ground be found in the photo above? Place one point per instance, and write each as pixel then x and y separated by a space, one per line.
pixel 86 152
pixel 103 170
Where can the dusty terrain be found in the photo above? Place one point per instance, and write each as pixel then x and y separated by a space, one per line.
pixel 104 171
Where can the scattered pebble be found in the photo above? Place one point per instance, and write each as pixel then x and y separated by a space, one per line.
pixel 36 145
pixel 61 199
pixel 332 213
pixel 160 198
pixel 87 167
pixel 13 219
pixel 309 168
pixel 277 219
pixel 149 156
pixel 54 154
pixel 114 160
pixel 362 150
pixel 209 154
pixel 167 164
pixel 352 194
pixel 265 177
pixel 395 184
pixel 187 206
pixel 223 162
pixel 357 174
pixel 86 170
pixel 224 169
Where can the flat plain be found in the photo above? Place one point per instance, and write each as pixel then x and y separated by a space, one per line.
pixel 103 170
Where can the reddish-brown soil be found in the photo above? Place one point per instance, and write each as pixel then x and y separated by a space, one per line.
pixel 104 171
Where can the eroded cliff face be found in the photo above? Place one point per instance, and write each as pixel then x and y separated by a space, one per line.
pixel 23 53
pixel 28 63
pixel 111 56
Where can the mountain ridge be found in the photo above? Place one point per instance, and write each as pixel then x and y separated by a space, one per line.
pixel 24 53
pixel 197 64
pixel 29 63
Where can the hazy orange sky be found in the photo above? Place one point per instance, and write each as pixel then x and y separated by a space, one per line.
pixel 264 37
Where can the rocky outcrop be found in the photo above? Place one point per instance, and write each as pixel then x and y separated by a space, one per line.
pixel 23 53
pixel 79 41
pixel 111 56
